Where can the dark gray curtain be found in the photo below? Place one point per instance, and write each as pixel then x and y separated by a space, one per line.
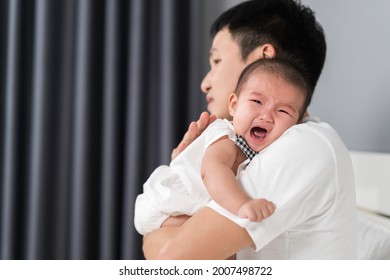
pixel 94 96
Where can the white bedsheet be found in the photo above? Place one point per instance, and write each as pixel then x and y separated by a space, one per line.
pixel 373 236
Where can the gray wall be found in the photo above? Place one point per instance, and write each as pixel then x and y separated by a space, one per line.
pixel 353 93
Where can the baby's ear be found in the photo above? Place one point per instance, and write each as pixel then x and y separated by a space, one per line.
pixel 232 104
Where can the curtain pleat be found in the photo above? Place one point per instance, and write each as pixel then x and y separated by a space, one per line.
pixel 167 67
pixel 113 132
pixel 137 59
pixel 10 134
pixel 197 62
pixel 109 218
pixel 63 130
pixel 80 179
pixel 38 139
pixel 94 96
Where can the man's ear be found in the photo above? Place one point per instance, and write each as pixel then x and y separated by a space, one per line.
pixel 232 104
pixel 263 51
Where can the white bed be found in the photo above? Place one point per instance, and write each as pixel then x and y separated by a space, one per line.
pixel 372 177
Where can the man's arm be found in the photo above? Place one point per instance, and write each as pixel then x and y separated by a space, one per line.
pixel 194 130
pixel 206 235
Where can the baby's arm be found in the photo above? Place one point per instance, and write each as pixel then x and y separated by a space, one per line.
pixel 222 185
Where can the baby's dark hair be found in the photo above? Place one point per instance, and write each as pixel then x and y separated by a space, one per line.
pixel 286 69
pixel 290 27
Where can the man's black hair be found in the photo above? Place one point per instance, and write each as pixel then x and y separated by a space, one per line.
pixel 288 25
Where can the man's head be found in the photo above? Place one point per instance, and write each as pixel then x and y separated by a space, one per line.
pixel 261 29
pixel 271 96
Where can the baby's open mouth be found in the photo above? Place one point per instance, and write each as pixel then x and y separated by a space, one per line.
pixel 259 132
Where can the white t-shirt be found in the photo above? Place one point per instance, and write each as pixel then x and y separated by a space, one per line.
pixel 308 174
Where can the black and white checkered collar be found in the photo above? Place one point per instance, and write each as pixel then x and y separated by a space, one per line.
pixel 240 142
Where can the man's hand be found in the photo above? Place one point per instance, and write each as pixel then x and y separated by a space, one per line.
pixel 194 130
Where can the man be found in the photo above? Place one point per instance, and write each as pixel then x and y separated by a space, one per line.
pixel 307 172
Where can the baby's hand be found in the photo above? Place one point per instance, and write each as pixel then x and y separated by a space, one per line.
pixel 256 210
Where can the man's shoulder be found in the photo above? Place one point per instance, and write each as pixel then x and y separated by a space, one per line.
pixel 313 132
pixel 314 125
pixel 310 139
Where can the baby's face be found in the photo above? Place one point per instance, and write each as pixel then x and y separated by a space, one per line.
pixel 266 107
